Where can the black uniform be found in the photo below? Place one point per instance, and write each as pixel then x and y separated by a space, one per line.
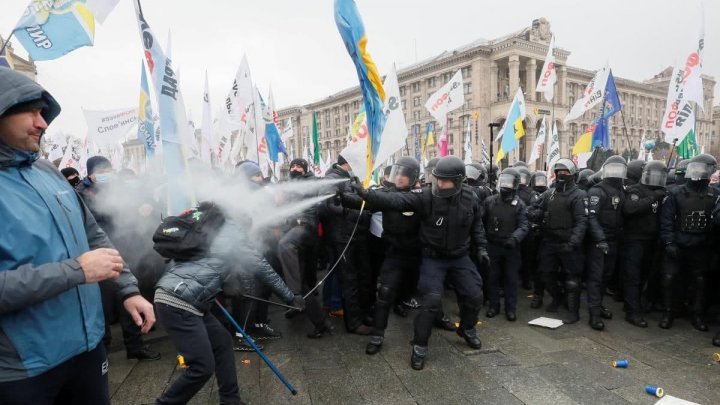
pixel 606 225
pixel 563 215
pixel 685 225
pixel 642 224
pixel 506 226
pixel 529 244
pixel 447 228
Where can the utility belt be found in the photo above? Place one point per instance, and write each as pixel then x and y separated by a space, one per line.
pixel 435 254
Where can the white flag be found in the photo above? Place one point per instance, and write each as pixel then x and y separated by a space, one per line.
pixel 553 152
pixel 679 117
pixel 110 127
pixel 101 8
pixel 450 97
pixel 70 159
pixel 468 146
pixel 56 150
pixel 395 132
pixel 356 150
pixel 641 154
pixel 287 132
pixel 692 71
pixel 593 95
pixel 538 144
pixel 208 138
pixel 546 84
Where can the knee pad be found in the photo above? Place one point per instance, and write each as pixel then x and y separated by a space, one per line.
pixel 432 301
pixel 572 284
pixel 384 293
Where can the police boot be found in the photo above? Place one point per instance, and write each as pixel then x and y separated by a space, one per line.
pixel 716 340
pixel 698 323
pixel 537 301
pixel 417 359
pixel 596 322
pixel 637 320
pixel 445 323
pixel 492 311
pixel 374 345
pixel 666 322
pixel 605 313
pixel 573 307
pixel 471 337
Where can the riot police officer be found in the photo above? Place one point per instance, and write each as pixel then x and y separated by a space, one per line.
pixel 606 227
pixel 679 174
pixel 451 220
pixel 476 175
pixel 584 179
pixel 641 213
pixel 634 172
pixel 685 225
pixel 539 182
pixel 428 170
pixel 562 211
pixel 528 247
pixel 506 226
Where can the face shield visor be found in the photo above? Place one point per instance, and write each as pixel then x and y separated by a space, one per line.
pixel 402 177
pixel 507 181
pixel 444 188
pixel 524 179
pixel 697 171
pixel 540 180
pixel 654 178
pixel 614 171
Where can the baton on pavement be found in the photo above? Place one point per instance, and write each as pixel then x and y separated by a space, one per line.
pixel 257 350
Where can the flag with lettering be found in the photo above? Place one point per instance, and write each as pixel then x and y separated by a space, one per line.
pixel 553 151
pixel 146 125
pixel 538 144
pixel 448 98
pixel 593 94
pixel 395 131
pixel 207 133
pixel 548 77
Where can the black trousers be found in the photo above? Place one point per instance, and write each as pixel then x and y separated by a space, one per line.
pixel 81 380
pixel 355 279
pixel 601 268
pixel 639 259
pixel 396 269
pixel 462 274
pixel 692 264
pixel 114 309
pixel 550 258
pixel 207 348
pixel 528 248
pixel 504 272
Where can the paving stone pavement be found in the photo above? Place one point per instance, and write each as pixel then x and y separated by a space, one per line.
pixel 518 364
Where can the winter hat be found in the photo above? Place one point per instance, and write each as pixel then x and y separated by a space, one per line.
pixel 22 94
pixel 96 163
pixel 341 160
pixel 300 162
pixel 69 171
pixel 248 169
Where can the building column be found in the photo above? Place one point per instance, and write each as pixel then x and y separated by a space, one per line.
pixel 514 65
pixel 494 82
pixel 562 95
pixel 530 73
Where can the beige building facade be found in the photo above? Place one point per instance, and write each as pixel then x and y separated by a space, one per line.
pixel 24 66
pixel 492 72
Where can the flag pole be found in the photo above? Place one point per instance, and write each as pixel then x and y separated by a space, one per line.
pixel 6 42
pixel 667 163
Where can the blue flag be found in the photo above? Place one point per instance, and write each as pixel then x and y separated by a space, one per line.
pixel 146 126
pixel 273 140
pixel 611 105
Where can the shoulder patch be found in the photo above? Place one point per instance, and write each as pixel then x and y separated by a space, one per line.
pixel 416 191
pixel 634 197
pixel 594 200
pixel 665 198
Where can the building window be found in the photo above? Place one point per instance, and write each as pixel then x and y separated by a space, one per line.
pixel 337 133
pixel 416 115
pixel 318 122
pixel 345 108
pixel 403 90
pixel 416 101
pixel 446 77
pixel 304 131
pixel 415 87
pixel 403 104
pixel 431 82
pixel 466 72
pixel 467 88
pixel 327 135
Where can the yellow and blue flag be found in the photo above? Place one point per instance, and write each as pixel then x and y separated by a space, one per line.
pixel 352 31
pixel 51 29
pixel 513 128
pixel 611 105
pixel 146 125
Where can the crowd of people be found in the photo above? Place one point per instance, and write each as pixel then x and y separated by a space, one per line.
pixel 634 231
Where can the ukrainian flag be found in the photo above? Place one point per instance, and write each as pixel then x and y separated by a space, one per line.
pixel 352 31
pixel 49 31
pixel 584 143
pixel 513 128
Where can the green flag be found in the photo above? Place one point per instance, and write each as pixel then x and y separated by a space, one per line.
pixel 688 147
pixel 316 142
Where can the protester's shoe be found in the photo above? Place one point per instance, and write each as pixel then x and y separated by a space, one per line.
pixel 596 322
pixel 536 302
pixel 492 312
pixel 636 320
pixel 400 311
pixel 510 316
pixel 667 321
pixel 417 359
pixel 412 303
pixel 325 329
pixel 263 331
pixel 698 323
pixel 144 354
pixel 363 330
pixel 605 313
pixel 338 313
pixel 291 313
pixel 241 345
pixel 716 340
pixel 553 306
pixel 445 323
pixel 471 337
pixel 373 347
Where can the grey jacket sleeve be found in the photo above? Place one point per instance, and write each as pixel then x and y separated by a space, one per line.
pixel 126 284
pixel 28 284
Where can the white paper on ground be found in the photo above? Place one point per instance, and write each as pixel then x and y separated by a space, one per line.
pixel 671 400
pixel 546 322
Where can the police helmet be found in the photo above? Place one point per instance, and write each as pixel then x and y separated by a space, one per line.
pixel 406 166
pixel 509 179
pixel 615 167
pixel 525 175
pixel 654 174
pixel 448 168
pixel 635 170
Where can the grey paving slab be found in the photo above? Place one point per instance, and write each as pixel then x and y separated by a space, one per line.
pixel 581 367
pixel 580 386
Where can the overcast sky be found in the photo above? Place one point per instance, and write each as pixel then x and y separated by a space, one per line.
pixel 294 45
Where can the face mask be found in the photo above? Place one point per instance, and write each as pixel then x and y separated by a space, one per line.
pixel 74 182
pixel 563 178
pixel 507 194
pixel 103 177
pixel 295 175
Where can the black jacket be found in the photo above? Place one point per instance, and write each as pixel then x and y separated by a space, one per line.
pixel 338 221
pixel 520 219
pixel 574 205
pixel 641 212
pixel 671 217
pixel 605 214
